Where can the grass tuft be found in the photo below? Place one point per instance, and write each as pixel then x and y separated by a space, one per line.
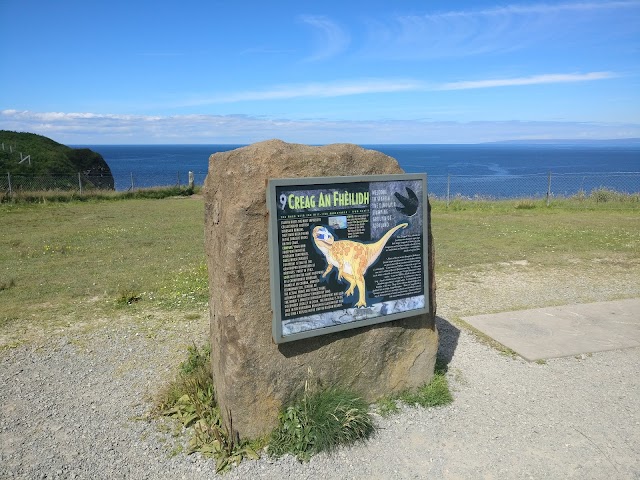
pixel 321 421
pixel 190 400
pixel 198 359
pixel 194 376
pixel 434 394
pixel 387 406
pixel 6 285
pixel 525 204
pixel 602 195
pixel 128 297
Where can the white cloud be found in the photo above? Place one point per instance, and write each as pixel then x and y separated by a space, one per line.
pixel 544 8
pixel 380 86
pixel 312 90
pixel 501 29
pixel 532 80
pixel 95 128
pixel 331 39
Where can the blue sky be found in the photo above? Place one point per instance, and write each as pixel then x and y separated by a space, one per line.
pixel 104 72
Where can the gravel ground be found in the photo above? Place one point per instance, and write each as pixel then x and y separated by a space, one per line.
pixel 73 406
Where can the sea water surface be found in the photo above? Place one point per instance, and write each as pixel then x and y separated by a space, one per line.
pixel 482 167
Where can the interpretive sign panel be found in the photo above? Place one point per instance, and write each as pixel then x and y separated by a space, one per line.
pixel 346 252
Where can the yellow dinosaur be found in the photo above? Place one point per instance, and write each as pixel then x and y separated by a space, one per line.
pixel 351 258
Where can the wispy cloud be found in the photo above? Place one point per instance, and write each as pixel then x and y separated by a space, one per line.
pixel 331 39
pixel 383 86
pixel 95 128
pixel 532 80
pixel 500 29
pixel 312 90
pixel 544 8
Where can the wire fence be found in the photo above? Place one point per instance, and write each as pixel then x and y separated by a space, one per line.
pixel 447 187
pixel 13 184
pixel 132 181
pixel 536 186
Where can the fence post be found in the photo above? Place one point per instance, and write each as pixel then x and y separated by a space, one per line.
pixel 178 178
pixel 132 181
pixel 448 188
pixel 549 190
pixel 191 180
pixel 9 178
pixel 80 182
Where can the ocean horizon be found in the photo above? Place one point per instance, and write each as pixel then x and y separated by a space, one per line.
pixel 155 165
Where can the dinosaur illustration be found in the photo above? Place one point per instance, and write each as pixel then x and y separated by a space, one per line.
pixel 351 258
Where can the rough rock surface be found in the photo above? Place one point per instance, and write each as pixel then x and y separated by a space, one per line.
pixel 253 376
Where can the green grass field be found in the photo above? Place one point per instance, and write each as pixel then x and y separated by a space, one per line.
pixel 71 264
pixel 469 234
pixel 76 264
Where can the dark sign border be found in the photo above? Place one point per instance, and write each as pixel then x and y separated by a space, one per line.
pixel 275 253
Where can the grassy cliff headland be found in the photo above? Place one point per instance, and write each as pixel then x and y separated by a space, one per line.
pixel 28 154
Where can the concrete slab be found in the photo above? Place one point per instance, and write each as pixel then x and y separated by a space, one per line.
pixel 564 331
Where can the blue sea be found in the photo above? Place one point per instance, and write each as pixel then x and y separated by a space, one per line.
pixel 496 170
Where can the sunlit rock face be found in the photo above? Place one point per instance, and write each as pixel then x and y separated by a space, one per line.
pixel 254 378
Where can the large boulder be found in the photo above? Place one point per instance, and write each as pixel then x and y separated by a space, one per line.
pixel 253 376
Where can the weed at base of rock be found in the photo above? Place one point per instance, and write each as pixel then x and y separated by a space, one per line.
pixel 387 406
pixel 213 440
pixel 198 359
pixel 434 394
pixel 321 421
pixel 190 400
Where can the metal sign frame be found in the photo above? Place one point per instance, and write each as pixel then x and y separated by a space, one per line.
pixel 317 284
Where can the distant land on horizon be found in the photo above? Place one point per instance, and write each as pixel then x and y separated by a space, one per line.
pixel 623 142
pixel 569 141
